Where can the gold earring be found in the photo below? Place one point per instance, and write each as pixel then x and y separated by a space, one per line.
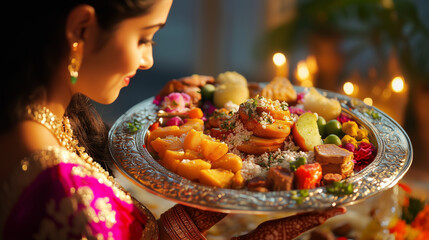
pixel 75 60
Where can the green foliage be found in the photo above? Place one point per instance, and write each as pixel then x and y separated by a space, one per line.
pixel 414 207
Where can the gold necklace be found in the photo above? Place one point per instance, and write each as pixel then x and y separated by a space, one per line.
pixel 60 129
pixel 63 132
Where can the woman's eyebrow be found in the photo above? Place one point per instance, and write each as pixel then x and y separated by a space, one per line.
pixel 160 25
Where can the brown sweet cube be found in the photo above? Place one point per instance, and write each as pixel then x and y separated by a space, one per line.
pixel 334 159
pixel 331 154
pixel 279 179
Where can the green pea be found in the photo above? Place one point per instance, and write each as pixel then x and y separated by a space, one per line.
pixel 207 92
pixel 321 123
pixel 332 139
pixel 300 161
pixel 333 127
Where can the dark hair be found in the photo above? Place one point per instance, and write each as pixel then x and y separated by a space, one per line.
pixel 34 46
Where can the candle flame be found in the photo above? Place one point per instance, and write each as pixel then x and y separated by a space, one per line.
pixel 279 59
pixel 312 64
pixel 302 71
pixel 397 84
pixel 348 88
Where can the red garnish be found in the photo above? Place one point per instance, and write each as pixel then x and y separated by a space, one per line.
pixel 342 238
pixel 343 118
pixel 405 187
pixel 308 176
pixel 364 155
pixel 158 100
pixel 399 229
pixel 297 111
pixel 421 221
pixel 154 126
pixel 144 145
pixel 300 97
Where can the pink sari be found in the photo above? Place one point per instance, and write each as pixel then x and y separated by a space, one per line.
pixel 56 195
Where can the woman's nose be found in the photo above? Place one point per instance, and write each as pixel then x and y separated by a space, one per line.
pixel 146 61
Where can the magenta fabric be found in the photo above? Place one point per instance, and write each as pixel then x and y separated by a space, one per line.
pixel 32 214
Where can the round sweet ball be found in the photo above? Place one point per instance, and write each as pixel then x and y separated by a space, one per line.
pixel 231 78
pixel 237 94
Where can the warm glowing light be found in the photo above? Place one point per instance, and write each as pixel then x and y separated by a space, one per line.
pixel 312 64
pixel 302 71
pixel 386 93
pixel 368 101
pixel 348 88
pixel 279 59
pixel 398 84
pixel 307 83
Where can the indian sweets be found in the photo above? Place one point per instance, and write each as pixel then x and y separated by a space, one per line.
pixel 258 144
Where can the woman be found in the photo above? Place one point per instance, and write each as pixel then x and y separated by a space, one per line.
pixel 51 187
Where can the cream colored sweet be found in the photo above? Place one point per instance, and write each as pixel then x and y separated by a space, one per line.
pixel 231 78
pixel 236 94
pixel 230 87
pixel 326 107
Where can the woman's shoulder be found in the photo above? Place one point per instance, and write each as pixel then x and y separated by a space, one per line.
pixel 54 184
pixel 25 172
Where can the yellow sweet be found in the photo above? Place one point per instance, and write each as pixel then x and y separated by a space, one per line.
pixel 193 140
pixel 361 134
pixel 365 140
pixel 213 150
pixel 238 181
pixel 216 177
pixel 192 123
pixel 229 161
pixel 190 169
pixel 350 128
pixel 163 132
pixel 349 139
pixel 160 145
pixel 172 159
pixel 191 154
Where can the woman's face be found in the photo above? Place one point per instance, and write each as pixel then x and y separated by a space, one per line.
pixel 104 72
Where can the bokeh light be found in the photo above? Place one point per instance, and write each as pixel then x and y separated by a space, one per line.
pixel 348 88
pixel 279 59
pixel 398 84
pixel 368 101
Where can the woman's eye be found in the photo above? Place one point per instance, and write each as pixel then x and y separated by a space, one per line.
pixel 147 42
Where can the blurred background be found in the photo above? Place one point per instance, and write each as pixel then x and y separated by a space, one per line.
pixel 374 50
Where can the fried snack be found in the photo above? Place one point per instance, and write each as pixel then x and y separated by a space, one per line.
pixel 190 85
pixel 281 89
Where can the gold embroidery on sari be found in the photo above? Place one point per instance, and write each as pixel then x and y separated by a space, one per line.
pixel 30 167
pixel 105 214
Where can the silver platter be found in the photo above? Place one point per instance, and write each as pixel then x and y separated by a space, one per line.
pixel 394 157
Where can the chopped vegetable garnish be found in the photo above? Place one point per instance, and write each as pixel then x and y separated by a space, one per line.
pixel 299 195
pixel 340 188
pixel 134 126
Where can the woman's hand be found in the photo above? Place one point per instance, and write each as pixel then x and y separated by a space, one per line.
pixel 293 226
pixel 182 222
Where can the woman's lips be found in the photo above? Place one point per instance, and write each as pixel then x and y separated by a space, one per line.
pixel 127 81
